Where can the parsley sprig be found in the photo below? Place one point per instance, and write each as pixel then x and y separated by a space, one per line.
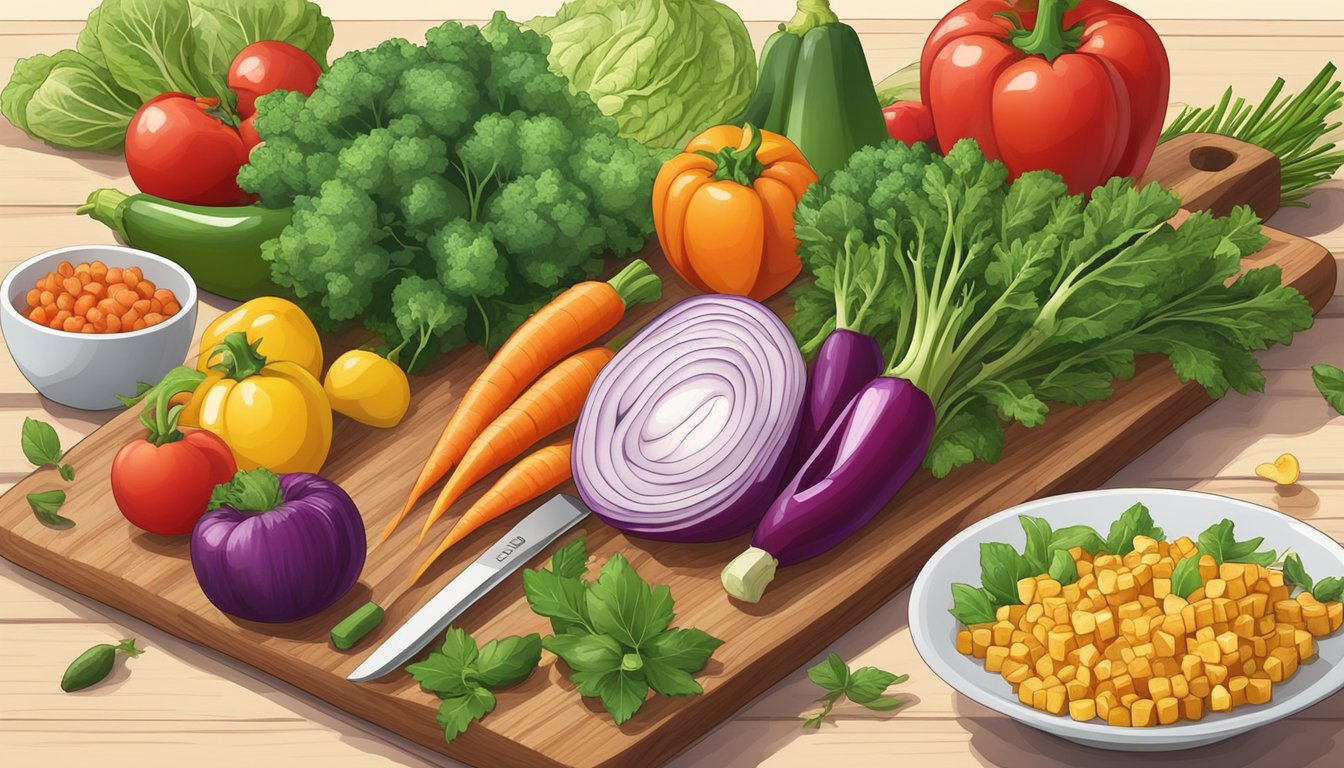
pixel 465 676
pixel 614 633
pixel 865 686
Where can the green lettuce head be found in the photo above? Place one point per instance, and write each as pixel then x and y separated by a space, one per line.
pixel 665 69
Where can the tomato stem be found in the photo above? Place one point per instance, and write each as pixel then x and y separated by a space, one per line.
pixel 238 358
pixel 160 414
pixel 738 165
pixel 1048 37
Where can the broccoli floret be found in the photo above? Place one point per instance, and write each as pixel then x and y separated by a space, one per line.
pixel 423 314
pixel 442 192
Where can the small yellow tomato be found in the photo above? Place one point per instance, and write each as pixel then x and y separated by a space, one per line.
pixel 285 332
pixel 368 388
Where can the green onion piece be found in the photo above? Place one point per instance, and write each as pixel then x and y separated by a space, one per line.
pixel 354 627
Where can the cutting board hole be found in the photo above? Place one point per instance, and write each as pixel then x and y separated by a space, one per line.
pixel 1211 158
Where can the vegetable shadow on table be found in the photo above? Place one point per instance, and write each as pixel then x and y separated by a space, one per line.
pixel 1301 743
pixel 105 165
pixel 165 546
pixel 1324 214
pixel 315 628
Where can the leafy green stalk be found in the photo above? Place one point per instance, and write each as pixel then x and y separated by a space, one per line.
pixel 996 298
pixel 1294 128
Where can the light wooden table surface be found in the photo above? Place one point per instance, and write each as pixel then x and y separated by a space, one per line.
pixel 179 703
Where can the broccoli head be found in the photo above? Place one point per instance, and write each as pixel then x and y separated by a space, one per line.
pixel 442 192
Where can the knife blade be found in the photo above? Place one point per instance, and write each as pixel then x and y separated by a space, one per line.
pixel 505 556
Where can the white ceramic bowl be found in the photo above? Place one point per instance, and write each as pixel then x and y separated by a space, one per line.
pixel 1179 513
pixel 86 370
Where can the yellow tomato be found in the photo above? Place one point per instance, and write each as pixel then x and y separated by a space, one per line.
pixel 368 388
pixel 272 415
pixel 285 332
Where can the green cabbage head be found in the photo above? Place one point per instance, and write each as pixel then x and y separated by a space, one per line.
pixel 665 69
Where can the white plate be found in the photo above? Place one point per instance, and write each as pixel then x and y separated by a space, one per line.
pixel 1179 513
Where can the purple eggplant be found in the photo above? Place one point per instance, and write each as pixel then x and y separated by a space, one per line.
pixel 846 361
pixel 866 456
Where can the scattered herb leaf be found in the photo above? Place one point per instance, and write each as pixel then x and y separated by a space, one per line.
pixel 463 675
pixel 42 447
pixel 1328 590
pixel 865 686
pixel 46 506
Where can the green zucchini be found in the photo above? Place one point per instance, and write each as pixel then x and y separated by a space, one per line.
pixel 220 247
pixel 815 88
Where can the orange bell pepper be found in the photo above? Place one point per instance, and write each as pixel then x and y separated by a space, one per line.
pixel 723 210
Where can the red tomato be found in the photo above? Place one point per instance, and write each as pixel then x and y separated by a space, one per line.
pixel 270 65
pixel 177 150
pixel 165 489
pixel 910 122
pixel 247 130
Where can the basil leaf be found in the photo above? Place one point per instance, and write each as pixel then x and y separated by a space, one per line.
pixel 1185 577
pixel 1330 381
pixel 1328 590
pixel 1062 567
pixel 867 684
pixel 46 506
pixel 832 674
pixel 445 670
pixel 1219 542
pixel 667 680
pixel 1295 573
pixel 502 663
pixel 1000 568
pixel 40 444
pixel 622 692
pixel 1135 521
pixel 1039 536
pixel 586 653
pixel 885 703
pixel 686 649
pixel 971 605
pixel 1084 536
pixel 620 604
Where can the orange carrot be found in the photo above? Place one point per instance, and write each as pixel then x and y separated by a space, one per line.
pixel 571 321
pixel 525 481
pixel 553 402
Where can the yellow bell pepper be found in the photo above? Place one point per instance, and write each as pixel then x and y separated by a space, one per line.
pixel 368 388
pixel 285 332
pixel 271 414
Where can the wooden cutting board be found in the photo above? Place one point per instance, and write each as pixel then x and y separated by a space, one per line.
pixel 543 721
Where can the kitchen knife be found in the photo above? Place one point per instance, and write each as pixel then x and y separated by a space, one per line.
pixel 507 555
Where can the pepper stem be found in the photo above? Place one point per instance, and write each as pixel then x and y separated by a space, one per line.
pixel 811 14
pixel 238 358
pixel 738 165
pixel 1048 37
pixel 127 646
pixel 159 416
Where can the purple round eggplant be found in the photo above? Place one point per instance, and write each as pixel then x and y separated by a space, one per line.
pixel 866 456
pixel 278 548
pixel 846 361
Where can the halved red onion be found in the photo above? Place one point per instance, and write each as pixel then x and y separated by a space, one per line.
pixel 686 432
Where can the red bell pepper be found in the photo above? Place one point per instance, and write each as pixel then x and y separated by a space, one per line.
pixel 1078 87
